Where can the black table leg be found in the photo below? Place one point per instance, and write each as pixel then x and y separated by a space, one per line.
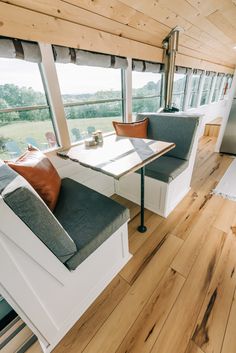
pixel 142 228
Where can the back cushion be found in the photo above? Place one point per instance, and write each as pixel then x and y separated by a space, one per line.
pixel 178 129
pixel 136 129
pixel 18 194
pixel 37 169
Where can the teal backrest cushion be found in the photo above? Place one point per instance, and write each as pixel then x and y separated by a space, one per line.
pixel 173 128
pixel 18 194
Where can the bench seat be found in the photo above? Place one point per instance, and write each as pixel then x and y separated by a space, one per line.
pixel 168 178
pixel 88 217
pixel 58 262
pixel 166 168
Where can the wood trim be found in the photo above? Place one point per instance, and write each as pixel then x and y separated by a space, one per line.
pixel 26 24
pixel 115 38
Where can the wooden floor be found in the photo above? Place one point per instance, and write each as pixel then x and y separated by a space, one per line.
pixel 177 294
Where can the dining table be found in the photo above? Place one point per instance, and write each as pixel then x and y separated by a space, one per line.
pixel 118 156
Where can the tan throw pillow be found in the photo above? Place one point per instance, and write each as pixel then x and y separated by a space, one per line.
pixel 136 129
pixel 37 169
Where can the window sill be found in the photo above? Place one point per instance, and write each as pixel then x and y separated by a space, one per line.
pixel 60 149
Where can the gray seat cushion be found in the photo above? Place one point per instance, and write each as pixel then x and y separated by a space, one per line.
pixel 89 218
pixel 18 194
pixel 166 168
pixel 173 128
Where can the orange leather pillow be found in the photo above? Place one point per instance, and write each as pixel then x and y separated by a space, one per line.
pixel 37 169
pixel 136 129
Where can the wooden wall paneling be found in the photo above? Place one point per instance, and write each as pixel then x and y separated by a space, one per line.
pixel 183 9
pixel 133 26
pixel 138 19
pixel 203 53
pixel 172 14
pixel 26 24
pixel 221 22
pixel 123 13
pixel 207 7
pixel 191 61
pixel 65 11
pixel 117 29
pixel 230 13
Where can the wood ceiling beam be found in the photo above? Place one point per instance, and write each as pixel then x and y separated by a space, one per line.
pixel 18 21
pixel 140 27
pixel 163 12
pixel 26 24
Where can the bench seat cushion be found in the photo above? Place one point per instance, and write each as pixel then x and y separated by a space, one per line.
pixel 166 168
pixel 89 218
pixel 18 194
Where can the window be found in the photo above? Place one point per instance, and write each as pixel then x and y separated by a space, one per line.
pixel 194 88
pixel 92 97
pixel 146 92
pixel 24 111
pixel 223 87
pixel 206 90
pixel 179 91
pixel 227 85
pixel 216 93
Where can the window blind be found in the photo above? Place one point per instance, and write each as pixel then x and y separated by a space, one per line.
pixel 20 49
pixel 146 66
pixel 83 57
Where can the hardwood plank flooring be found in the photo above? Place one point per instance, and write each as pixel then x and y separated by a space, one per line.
pixel 177 293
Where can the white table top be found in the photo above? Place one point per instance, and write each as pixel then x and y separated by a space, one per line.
pixel 118 156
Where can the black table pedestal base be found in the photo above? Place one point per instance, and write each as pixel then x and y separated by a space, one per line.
pixel 142 228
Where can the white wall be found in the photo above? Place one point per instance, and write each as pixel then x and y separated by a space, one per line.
pixel 212 111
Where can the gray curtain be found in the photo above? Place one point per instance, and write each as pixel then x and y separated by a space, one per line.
pixel 198 72
pixel 210 73
pixel 67 55
pixel 181 70
pixel 146 66
pixel 20 49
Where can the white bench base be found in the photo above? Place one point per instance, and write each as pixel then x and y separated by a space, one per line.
pixel 160 197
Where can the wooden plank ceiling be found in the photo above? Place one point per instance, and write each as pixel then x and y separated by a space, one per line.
pixel 130 27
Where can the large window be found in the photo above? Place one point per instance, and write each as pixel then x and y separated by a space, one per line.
pixel 206 89
pixel 216 93
pixel 92 97
pixel 24 111
pixel 146 92
pixel 179 91
pixel 227 85
pixel 194 89
pixel 224 87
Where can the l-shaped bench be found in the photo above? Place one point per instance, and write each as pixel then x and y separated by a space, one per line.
pixel 54 265
pixel 168 178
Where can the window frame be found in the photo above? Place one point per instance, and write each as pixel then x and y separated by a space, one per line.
pixel 209 91
pixel 217 98
pixel 47 107
pixel 186 87
pixel 198 91
pixel 160 96
pixel 122 100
